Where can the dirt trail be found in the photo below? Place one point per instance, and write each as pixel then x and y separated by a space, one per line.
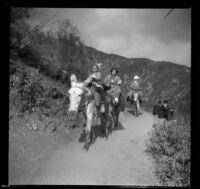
pixel 119 160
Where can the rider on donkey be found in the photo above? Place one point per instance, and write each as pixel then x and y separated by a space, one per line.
pixel 114 80
pixel 135 87
pixel 96 77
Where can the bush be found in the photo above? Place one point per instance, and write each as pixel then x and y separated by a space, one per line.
pixel 48 52
pixel 25 88
pixel 169 145
pixel 18 30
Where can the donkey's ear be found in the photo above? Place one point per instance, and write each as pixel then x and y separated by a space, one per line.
pixel 73 78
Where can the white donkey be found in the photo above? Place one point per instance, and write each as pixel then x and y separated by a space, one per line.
pixel 77 91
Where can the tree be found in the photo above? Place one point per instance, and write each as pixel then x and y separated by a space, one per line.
pixel 19 30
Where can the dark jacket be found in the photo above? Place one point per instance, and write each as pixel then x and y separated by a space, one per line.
pixel 156 109
pixel 164 112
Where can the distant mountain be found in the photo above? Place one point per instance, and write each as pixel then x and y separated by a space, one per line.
pixel 159 79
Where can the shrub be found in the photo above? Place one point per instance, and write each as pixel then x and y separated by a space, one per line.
pixel 169 145
pixel 25 88
pixel 18 30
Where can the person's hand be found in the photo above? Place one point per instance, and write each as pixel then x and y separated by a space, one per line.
pixel 93 76
pixel 119 82
pixel 88 80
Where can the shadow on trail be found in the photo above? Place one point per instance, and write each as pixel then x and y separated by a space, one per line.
pixel 132 112
pixel 98 133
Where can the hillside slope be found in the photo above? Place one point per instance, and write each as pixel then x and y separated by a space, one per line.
pixel 159 79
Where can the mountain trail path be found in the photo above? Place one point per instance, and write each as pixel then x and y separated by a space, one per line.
pixel 119 160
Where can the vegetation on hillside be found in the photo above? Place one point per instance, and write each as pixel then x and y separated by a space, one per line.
pixel 37 60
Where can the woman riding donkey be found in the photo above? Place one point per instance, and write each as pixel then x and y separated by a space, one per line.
pixel 100 97
pixel 113 78
pixel 94 82
pixel 117 104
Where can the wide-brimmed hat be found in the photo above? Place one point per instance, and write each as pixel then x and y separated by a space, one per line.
pixel 136 77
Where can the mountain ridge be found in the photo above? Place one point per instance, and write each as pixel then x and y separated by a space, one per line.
pixel 135 58
pixel 159 79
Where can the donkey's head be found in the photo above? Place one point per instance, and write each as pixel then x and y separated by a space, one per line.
pixel 115 93
pixel 75 93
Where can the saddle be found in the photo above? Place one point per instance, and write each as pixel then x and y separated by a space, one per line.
pixel 93 86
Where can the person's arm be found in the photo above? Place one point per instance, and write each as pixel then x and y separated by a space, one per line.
pixel 88 80
pixel 119 81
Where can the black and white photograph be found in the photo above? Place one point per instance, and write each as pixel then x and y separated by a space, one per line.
pixel 100 96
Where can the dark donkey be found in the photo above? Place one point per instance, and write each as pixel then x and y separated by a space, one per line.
pixel 115 105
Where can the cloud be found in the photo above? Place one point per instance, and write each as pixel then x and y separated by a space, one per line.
pixel 177 26
pixel 115 43
pixel 133 32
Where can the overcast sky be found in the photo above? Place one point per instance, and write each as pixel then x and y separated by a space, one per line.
pixel 132 33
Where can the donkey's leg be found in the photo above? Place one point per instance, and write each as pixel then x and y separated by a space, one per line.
pixel 117 112
pixel 85 116
pixel 136 108
pixel 102 119
pixel 75 120
pixel 105 121
pixel 89 114
pixel 112 118
pixel 117 118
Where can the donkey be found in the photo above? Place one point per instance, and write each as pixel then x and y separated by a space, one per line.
pixel 115 104
pixel 134 100
pixel 77 93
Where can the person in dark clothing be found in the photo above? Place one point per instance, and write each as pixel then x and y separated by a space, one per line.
pixel 156 108
pixel 165 110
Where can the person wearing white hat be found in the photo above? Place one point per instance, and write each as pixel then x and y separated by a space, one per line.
pixel 135 83
pixel 136 77
pixel 135 87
